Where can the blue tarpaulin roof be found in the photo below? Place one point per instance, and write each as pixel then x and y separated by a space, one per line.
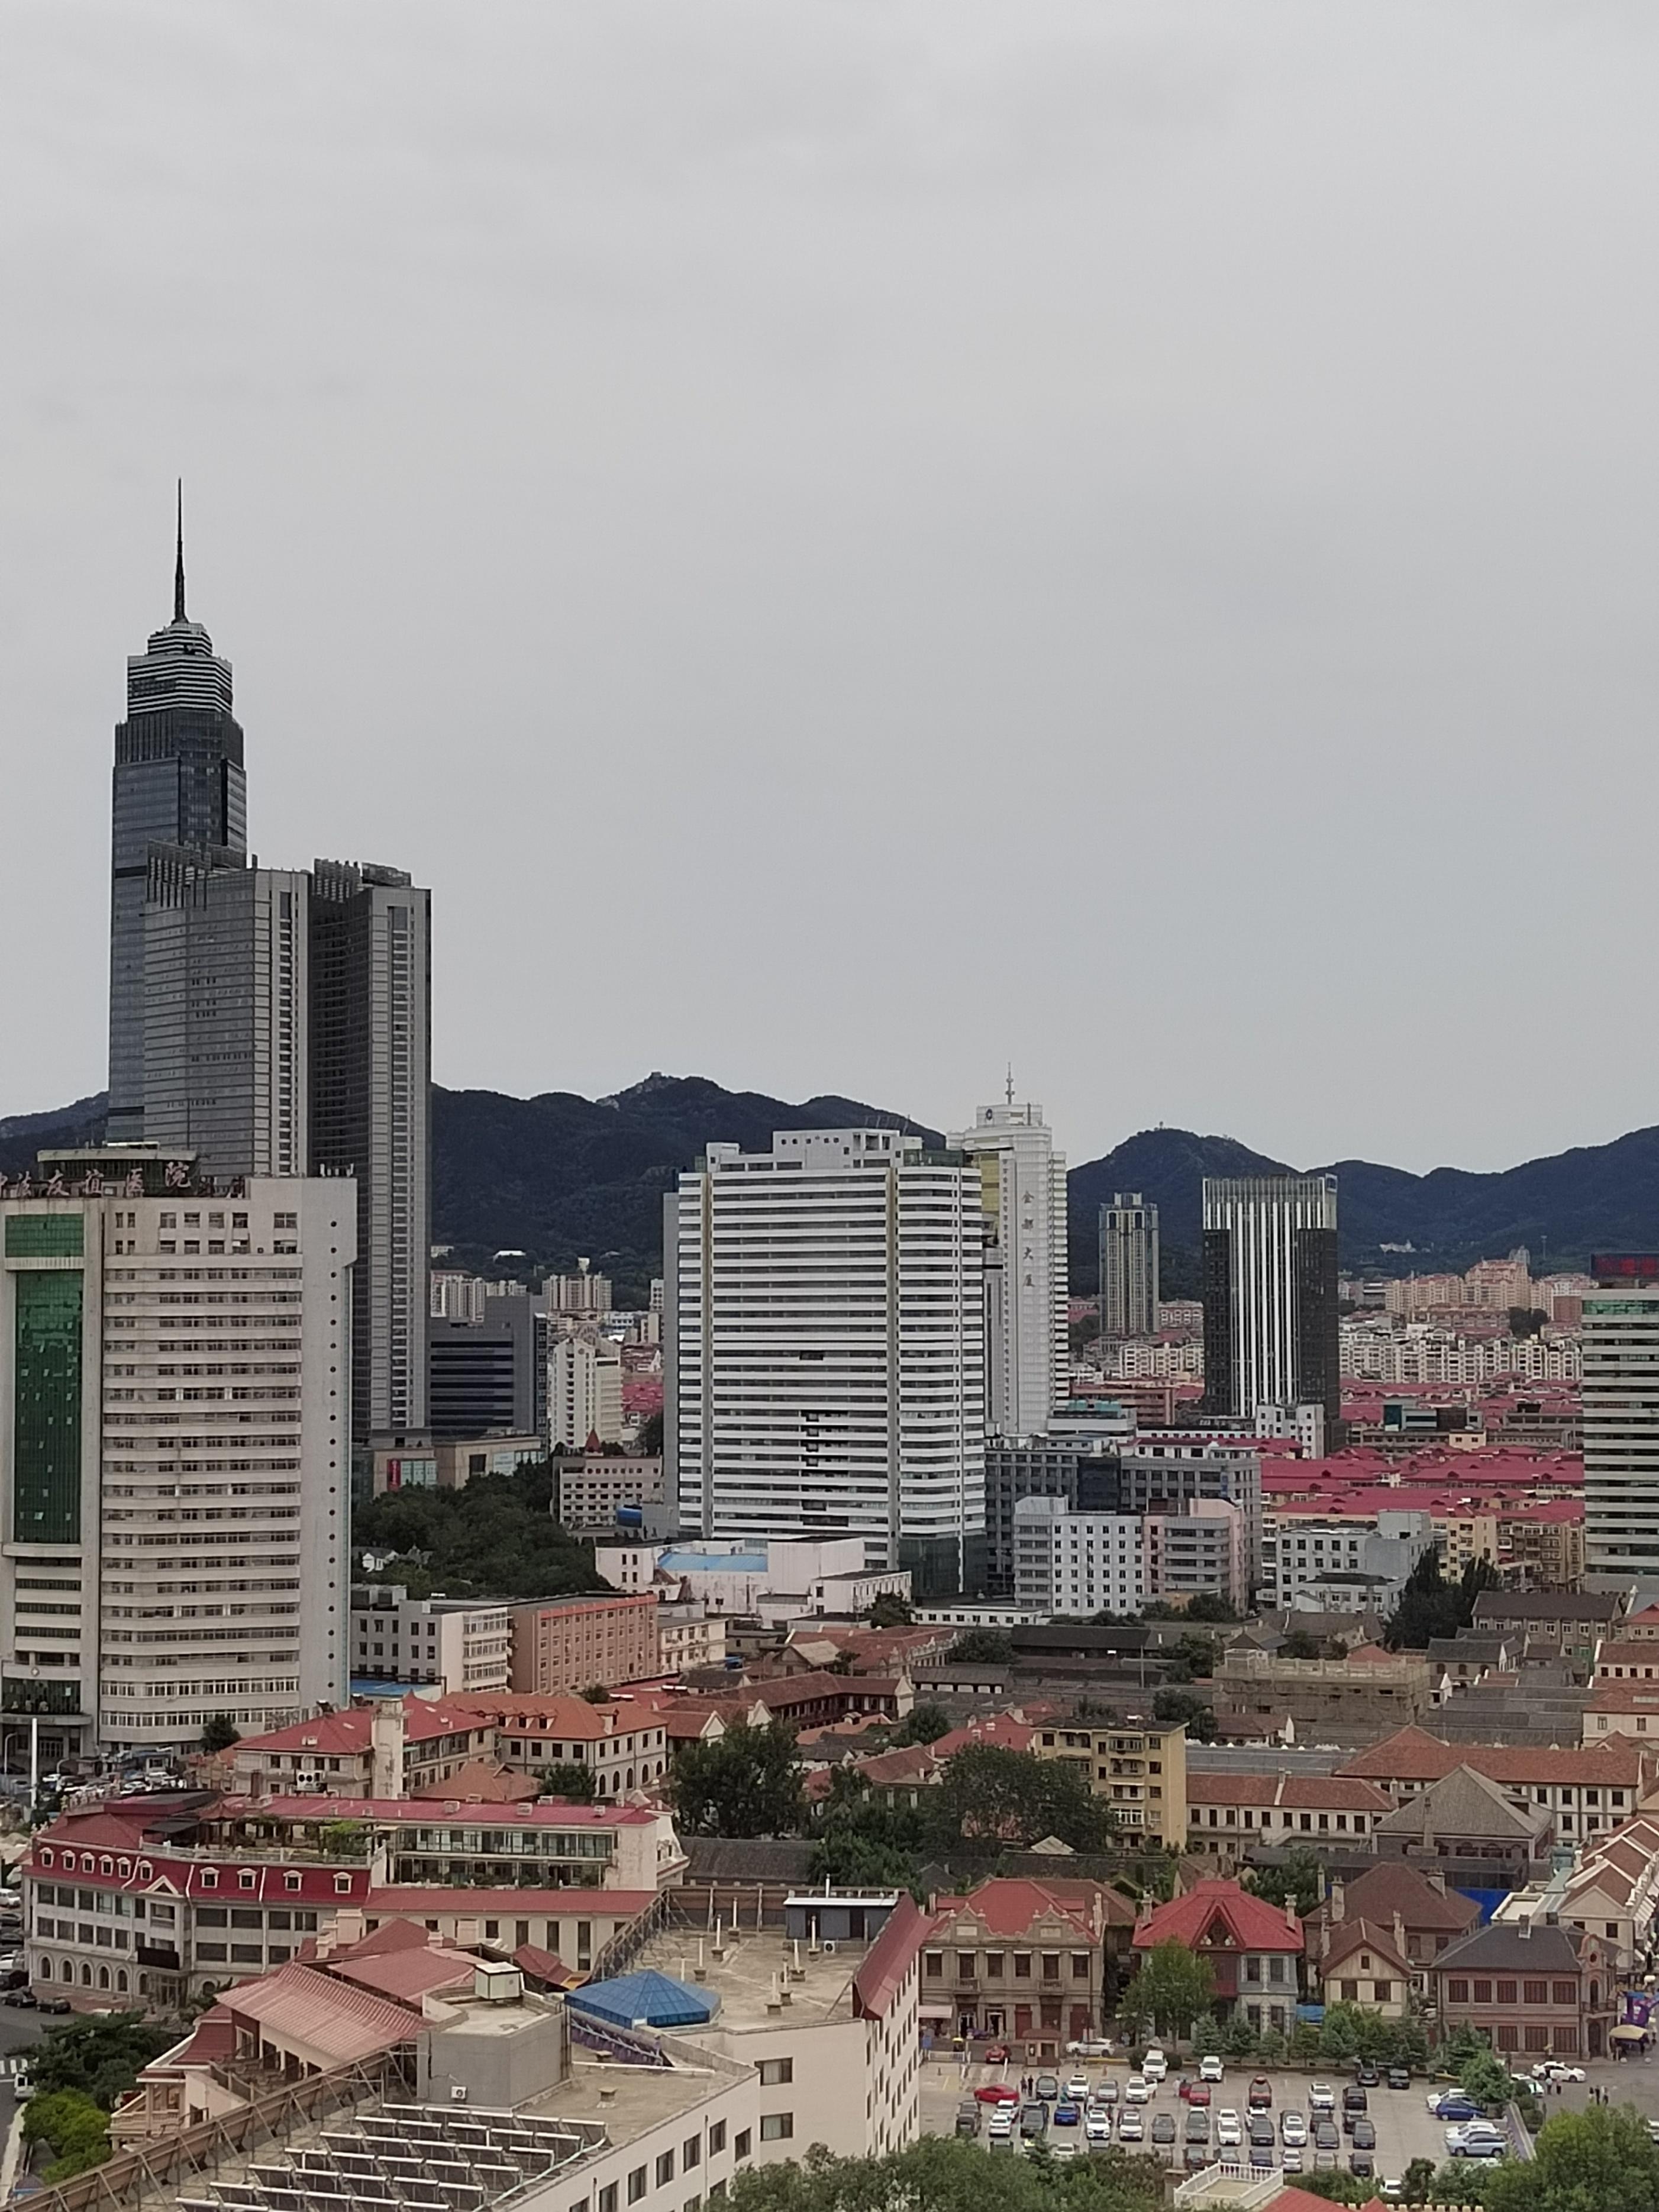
pixel 651 1997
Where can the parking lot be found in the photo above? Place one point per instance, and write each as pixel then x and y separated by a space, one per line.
pixel 1405 2128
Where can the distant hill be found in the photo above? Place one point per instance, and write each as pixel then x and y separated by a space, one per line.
pixel 558 1176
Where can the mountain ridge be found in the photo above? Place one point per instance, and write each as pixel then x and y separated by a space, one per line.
pixel 558 1176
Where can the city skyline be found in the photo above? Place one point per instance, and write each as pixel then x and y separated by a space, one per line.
pixel 573 449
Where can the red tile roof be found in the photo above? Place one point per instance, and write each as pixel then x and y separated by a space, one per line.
pixel 1298 1792
pixel 1391 1887
pixel 1348 1937
pixel 1008 1907
pixel 571 1903
pixel 350 1731
pixel 1250 1924
pixel 1412 1754
pixel 482 1782
pixel 299 2004
pixel 889 1958
pixel 1001 1730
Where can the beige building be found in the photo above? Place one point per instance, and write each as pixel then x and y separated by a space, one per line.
pixel 1138 1767
pixel 1363 1964
pixel 690 1636
pixel 592 1487
pixel 451 1641
pixel 584 1392
pixel 417 1463
pixel 574 1643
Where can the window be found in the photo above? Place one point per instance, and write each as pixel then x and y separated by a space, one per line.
pixel 1566 2042
pixel 1506 1993
pixel 607 2198
pixel 1350 1992
pixel 716 2139
pixel 1508 2038
pixel 1482 1991
pixel 664 2167
pixel 1538 2038
pixel 777 2127
pixel 1022 1966
pixel 343 1885
pixel 210 1878
pixel 1565 1993
pixel 1382 1992
pixel 1051 1966
pixel 1457 1991
pixel 967 1966
pixel 933 1965
pixel 690 2153
pixel 741 2143
pixel 1079 1965
pixel 1536 1992
pixel 994 1965
pixel 637 2183
pixel 775 2071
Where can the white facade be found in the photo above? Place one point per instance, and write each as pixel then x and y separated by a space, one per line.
pixel 1023 1194
pixel 1621 1431
pixel 1078 1563
pixel 584 1392
pixel 734 1577
pixel 174 1450
pixel 595 1488
pixel 463 1649
pixel 1299 1550
pixel 823 1343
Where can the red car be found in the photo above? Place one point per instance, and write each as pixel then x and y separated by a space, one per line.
pixel 998 2093
pixel 997 2055
pixel 1261 2094
pixel 1195 2092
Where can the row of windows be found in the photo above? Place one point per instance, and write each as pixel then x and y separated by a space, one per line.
pixel 1532 1992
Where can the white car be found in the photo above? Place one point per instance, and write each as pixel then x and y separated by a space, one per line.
pixel 1002 2124
pixel 1477 2139
pixel 1552 2070
pixel 1063 2153
pixel 1229 2131
pixel 1077 2089
pixel 1322 2097
pixel 1097 2125
pixel 1091 2047
pixel 1138 2090
pixel 1211 2070
pixel 1294 2129
pixel 1132 2128
pixel 1155 2066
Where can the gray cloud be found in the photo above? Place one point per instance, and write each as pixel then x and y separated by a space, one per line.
pixel 850 542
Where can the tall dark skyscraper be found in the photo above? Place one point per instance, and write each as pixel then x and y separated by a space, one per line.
pixel 1270 1305
pixel 178 782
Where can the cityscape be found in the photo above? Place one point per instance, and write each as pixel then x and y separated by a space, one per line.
pixel 688 1648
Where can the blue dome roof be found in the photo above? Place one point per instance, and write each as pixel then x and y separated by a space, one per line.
pixel 649 1996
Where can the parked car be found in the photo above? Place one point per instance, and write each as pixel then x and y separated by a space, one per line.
pixel 1163 2127
pixel 1001 2130
pixel 1290 2161
pixel 1198 2127
pixel 1322 2097
pixel 1228 2129
pixel 1363 2163
pixel 1363 2133
pixel 1077 2088
pixel 1262 2154
pixel 968 2118
pixel 1325 2135
pixel 1155 2066
pixel 1476 2139
pixel 1104 2092
pixel 1261 2096
pixel 1365 2075
pixel 1097 2125
pixel 996 2054
pixel 1555 2069
pixel 1211 2070
pixel 1131 2128
pixel 1047 2087
pixel 1453 2104
pixel 1261 2129
pixel 1196 2157
pixel 1033 2119
pixel 1138 2090
pixel 1099 2046
pixel 24 1999
pixel 1063 2153
pixel 1196 2093
pixel 50 2004
pixel 1294 2128
pixel 1068 2115
pixel 1324 2161
pixel 1400 2078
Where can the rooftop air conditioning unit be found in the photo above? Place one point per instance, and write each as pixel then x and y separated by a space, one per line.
pixel 457 2093
pixel 829 1946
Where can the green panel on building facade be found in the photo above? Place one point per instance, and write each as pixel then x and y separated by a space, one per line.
pixel 45 1506
pixel 43 1237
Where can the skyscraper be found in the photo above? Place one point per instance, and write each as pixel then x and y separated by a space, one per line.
pixel 823 1370
pixel 1270 1299
pixel 1128 1265
pixel 270 1021
pixel 1022 1202
pixel 178 782
pixel 1621 1421
pixel 370 1069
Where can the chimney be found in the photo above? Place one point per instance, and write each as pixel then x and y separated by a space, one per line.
pixel 385 1730
pixel 1525 1925
pixel 1291 1920
pixel 1339 1899
pixel 1400 1934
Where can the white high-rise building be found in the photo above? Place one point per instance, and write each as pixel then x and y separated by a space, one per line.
pixel 1073 1563
pixel 1023 1196
pixel 1621 1394
pixel 175 1402
pixel 584 1392
pixel 823 1365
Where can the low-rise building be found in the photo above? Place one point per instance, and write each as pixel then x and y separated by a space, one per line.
pixel 593 1492
pixel 1228 1814
pixel 568 1645
pixel 1254 1949
pixel 384 1749
pixel 1629 1707
pixel 1579 1620
pixel 424 1462
pixel 454 1643
pixel 1368 1690
pixel 1371 1561
pixel 624 1748
pixel 1537 1990
pixel 1362 1963
pixel 1471 1825
pixel 1588 1791
pixel 1137 1766
pixel 1425 1914
pixel 690 1636
pixel 1010 1961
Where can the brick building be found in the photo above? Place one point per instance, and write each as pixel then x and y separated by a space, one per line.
pixel 1011 1960
pixel 1537 1989
pixel 1254 1948
pixel 561 1646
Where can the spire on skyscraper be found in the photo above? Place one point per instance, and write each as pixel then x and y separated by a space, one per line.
pixel 178 568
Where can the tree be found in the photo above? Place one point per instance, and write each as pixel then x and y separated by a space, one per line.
pixel 1299 1644
pixel 1431 1607
pixel 1197 1654
pixel 984 1647
pixel 923 1724
pixel 888 1610
pixel 343 1839
pixel 1527 1321
pixel 1299 1881
pixel 1209 1605
pixel 495 1538
pixel 1339 2033
pixel 1170 1705
pixel 649 1441
pixel 76 2128
pixel 1461 2181
pixel 1417 2181
pixel 1485 2079
pixel 595 1694
pixel 1174 1985
pixel 100 2057
pixel 1597 2160
pixel 940 2174
pixel 577 1785
pixel 219 1732
pixel 1238 2038
pixel 850 1858
pixel 1014 1798
pixel 748 1783
pixel 1337 2188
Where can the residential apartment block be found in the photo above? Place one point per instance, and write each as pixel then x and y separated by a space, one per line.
pixel 450 1641
pixel 568 1645
pixel 1137 1766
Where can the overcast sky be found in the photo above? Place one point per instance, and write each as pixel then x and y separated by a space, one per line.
pixel 855 544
